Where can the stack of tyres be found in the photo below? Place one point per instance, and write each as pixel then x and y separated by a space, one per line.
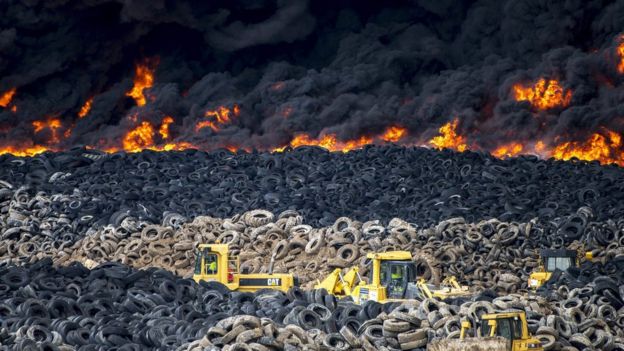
pixel 419 185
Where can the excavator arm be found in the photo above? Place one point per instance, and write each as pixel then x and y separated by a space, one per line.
pixel 338 284
pixel 424 289
pixel 451 281
pixel 449 288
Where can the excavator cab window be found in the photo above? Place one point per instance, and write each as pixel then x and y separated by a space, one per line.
pixel 198 262
pixel 210 263
pixel 562 263
pixel 508 328
pixel 516 325
pixel 384 274
pixel 395 275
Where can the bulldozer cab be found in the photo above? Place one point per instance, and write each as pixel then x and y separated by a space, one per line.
pixel 511 326
pixel 213 263
pixel 504 331
pixel 558 259
pixel 392 277
pixel 396 277
pixel 206 263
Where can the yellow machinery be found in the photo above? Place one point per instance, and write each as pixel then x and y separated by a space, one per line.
pixel 213 263
pixel 551 260
pixel 449 288
pixel 392 278
pixel 511 326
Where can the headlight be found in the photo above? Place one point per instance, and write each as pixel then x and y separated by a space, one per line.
pixel 534 345
pixel 533 282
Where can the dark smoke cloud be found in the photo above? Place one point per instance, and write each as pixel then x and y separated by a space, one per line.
pixel 345 67
pixel 290 22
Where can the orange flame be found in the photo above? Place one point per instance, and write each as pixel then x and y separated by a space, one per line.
pixel 218 118
pixel 543 95
pixel 604 146
pixel 6 97
pixel 620 52
pixel 540 146
pixel 143 79
pixel 394 134
pixel 449 138
pixel 508 150
pixel 164 127
pixel 331 142
pixel 84 110
pixel 23 151
pixel 110 150
pixel 286 111
pixel 277 86
pixel 328 141
pixel 175 146
pixel 53 124
pixel 142 138
pixel 354 144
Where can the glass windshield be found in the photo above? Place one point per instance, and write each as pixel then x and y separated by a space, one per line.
pixel 395 275
pixel 486 329
pixel 398 281
pixel 516 328
pixel 503 328
pixel 562 263
pixel 198 262
pixel 210 263
pixel 507 328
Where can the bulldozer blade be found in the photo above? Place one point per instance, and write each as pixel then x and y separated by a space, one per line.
pixel 469 344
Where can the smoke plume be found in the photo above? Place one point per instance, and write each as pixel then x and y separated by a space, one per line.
pixel 509 76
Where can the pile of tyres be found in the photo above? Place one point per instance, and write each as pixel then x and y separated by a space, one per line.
pixel 96 250
pixel 45 307
pixel 419 185
pixel 489 254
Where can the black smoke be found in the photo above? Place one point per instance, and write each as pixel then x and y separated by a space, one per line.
pixel 345 67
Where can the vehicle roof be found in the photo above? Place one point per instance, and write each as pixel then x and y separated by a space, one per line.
pixel 221 248
pixel 504 314
pixel 558 253
pixel 391 255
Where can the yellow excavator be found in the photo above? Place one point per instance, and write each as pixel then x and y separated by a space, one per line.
pixel 213 263
pixel 392 278
pixel 553 259
pixel 505 331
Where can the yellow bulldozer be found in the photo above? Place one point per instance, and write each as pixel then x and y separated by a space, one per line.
pixel 505 331
pixel 553 259
pixel 213 263
pixel 392 278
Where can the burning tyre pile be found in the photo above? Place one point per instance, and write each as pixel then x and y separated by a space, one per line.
pixel 135 219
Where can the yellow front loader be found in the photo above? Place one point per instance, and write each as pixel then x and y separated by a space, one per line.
pixel 551 260
pixel 392 278
pixel 213 263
